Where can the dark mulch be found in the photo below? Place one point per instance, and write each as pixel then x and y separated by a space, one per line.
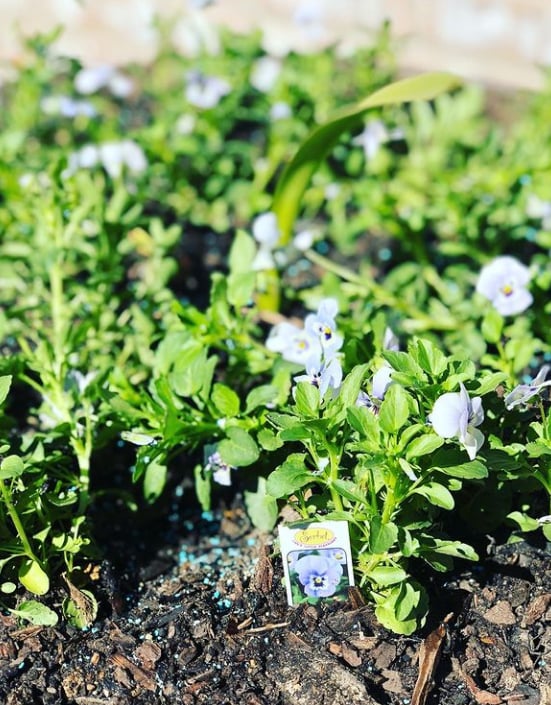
pixel 198 614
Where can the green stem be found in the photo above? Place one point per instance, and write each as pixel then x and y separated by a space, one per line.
pixel 382 295
pixel 14 516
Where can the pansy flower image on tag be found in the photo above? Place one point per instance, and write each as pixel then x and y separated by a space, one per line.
pixel 319 574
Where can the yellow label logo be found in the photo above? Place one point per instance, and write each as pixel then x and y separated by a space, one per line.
pixel 314 537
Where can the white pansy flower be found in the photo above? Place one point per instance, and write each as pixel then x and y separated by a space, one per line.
pixel 295 344
pixel 265 73
pixel 322 325
pixel 456 415
pixel 324 376
pixel 390 340
pixel 523 392
pixel 503 281
pixel 115 156
pixel 381 382
pixel 205 91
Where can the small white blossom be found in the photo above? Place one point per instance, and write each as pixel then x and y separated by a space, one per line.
pixel 117 155
pixel 373 136
pixel 205 91
pixel 523 392
pixel 265 73
pixel 456 415
pixel 381 382
pixel 280 110
pixel 538 208
pixel 94 78
pixel 390 340
pixel 322 325
pixel 295 344
pixel 503 281
pixel 303 240
pixel 266 233
pixel 221 471
pixel 67 107
pixel 324 376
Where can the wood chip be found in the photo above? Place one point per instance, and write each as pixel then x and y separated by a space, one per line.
pixel 482 697
pixel 148 654
pixel 501 613
pixel 429 654
pixel 264 573
pixel 143 678
pixel 536 609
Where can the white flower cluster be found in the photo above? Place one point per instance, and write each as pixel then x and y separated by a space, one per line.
pixel 94 78
pixel 112 156
pixel 315 346
pixel 203 91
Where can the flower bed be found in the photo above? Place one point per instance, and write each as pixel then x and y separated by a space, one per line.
pixel 358 337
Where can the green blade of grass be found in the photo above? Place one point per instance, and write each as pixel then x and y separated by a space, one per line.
pixel 297 174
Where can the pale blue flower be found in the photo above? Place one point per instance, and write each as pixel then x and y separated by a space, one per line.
pixel 67 107
pixel 523 392
pixel 456 415
pixel 503 281
pixel 319 575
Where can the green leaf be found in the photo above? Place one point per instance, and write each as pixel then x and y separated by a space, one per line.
pixel 225 400
pixel 348 392
pixel 12 466
pixel 307 399
pixel 260 396
pixel 261 507
pixel 423 445
pixel 525 522
pixel 349 490
pixel 471 470
pixel 489 383
pixel 437 494
pixel 394 411
pixel 382 536
pixel 430 358
pixel 5 383
pixel 242 253
pixel 238 449
pixel 290 476
pixel 365 422
pixel 32 576
pixel 492 325
pixel 36 613
pixel 385 575
pixel 268 440
pixel 203 485
pixel 154 481
pixel 296 176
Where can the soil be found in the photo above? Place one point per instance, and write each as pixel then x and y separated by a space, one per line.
pixel 193 611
